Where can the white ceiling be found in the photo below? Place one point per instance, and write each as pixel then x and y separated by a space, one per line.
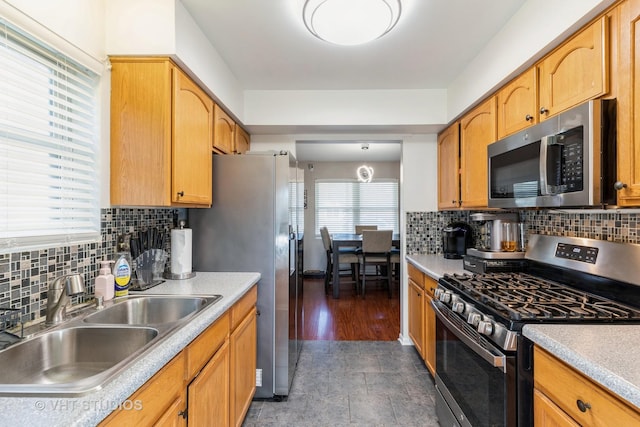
pixel 348 151
pixel 267 46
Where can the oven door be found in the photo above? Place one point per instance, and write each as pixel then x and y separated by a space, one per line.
pixel 475 380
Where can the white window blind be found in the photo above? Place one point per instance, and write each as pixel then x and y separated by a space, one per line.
pixel 340 205
pixel 49 189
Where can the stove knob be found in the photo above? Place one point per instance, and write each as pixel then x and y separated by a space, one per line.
pixel 458 307
pixel 485 327
pixel 437 293
pixel 446 297
pixel 474 319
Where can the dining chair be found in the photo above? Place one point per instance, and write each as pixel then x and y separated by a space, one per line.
pixel 346 256
pixel 360 228
pixel 376 250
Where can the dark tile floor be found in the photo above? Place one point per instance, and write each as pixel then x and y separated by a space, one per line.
pixel 353 383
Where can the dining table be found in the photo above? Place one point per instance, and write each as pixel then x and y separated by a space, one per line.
pixel 349 240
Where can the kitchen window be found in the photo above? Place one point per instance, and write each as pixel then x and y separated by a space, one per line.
pixel 340 205
pixel 49 183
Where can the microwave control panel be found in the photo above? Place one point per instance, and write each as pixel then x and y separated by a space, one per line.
pixel 571 163
pixel 577 253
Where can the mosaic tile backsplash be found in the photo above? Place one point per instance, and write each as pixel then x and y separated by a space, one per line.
pixel 24 276
pixel 424 228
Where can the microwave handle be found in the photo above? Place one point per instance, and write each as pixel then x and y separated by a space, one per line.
pixel 545 141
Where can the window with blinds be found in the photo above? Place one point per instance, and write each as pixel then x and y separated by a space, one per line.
pixel 340 205
pixel 49 188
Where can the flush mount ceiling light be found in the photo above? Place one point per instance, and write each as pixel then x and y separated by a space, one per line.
pixel 350 22
pixel 365 146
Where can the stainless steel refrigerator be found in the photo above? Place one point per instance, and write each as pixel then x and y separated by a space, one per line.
pixel 253 226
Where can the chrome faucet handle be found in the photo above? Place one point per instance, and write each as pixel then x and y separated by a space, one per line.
pixel 58 296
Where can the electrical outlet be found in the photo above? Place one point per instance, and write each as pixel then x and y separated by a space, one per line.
pixel 258 377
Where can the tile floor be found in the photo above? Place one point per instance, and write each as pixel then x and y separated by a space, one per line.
pixel 353 383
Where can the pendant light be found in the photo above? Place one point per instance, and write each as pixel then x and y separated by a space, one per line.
pixel 350 22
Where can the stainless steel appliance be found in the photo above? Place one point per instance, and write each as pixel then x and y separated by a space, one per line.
pixel 484 365
pixel 253 226
pixel 456 238
pixel 567 160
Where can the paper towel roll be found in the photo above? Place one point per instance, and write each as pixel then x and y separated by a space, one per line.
pixel 181 250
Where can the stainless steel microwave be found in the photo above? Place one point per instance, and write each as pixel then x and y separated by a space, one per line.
pixel 567 160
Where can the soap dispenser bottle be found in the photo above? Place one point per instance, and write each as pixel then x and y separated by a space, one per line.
pixel 122 271
pixel 105 281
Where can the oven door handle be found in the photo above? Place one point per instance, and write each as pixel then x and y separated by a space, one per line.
pixel 491 354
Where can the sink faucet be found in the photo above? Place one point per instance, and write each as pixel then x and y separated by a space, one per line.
pixel 58 296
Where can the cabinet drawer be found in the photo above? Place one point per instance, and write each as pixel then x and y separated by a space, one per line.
pixel 154 398
pixel 205 345
pixel 243 306
pixel 567 388
pixel 415 275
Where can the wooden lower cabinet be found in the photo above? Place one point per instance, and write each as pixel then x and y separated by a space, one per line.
pixel 422 318
pixel 565 397
pixel 429 325
pixel 416 315
pixel 161 400
pixel 210 383
pixel 208 393
pixel 243 367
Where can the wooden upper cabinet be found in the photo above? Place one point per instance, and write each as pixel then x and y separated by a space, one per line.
pixel 242 140
pixel 477 131
pixel 223 131
pixel 160 125
pixel 576 71
pixel 449 167
pixel 629 103
pixel 192 131
pixel 518 104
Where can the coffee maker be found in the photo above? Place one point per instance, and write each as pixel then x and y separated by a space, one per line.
pixel 490 254
pixel 457 237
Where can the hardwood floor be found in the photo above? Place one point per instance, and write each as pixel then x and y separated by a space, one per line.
pixel 375 318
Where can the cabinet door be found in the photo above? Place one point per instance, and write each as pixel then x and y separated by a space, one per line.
pixel 629 104
pixel 223 132
pixel 416 316
pixel 575 72
pixel 449 167
pixel 175 416
pixel 140 132
pixel 429 327
pixel 547 414
pixel 192 135
pixel 242 140
pixel 477 131
pixel 518 104
pixel 243 345
pixel 208 393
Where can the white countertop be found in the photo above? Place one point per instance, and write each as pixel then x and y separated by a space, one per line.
pixel 608 354
pixel 436 266
pixel 90 409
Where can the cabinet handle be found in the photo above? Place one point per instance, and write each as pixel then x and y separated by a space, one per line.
pixel 583 406
pixel 183 414
pixel 528 117
pixel 543 110
pixel 180 193
pixel 619 185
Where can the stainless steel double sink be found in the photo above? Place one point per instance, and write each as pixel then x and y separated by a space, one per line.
pixel 84 353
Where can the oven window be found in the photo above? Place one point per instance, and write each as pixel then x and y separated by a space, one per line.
pixel 481 390
pixel 516 173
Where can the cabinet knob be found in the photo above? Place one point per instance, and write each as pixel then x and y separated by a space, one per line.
pixel 180 193
pixel 543 110
pixel 583 406
pixel 528 117
pixel 619 185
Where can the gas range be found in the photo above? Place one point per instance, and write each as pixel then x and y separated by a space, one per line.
pixel 479 321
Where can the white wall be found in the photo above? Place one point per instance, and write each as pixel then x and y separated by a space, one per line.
pixel 344 107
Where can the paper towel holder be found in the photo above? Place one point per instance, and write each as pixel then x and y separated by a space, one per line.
pixel 179 276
